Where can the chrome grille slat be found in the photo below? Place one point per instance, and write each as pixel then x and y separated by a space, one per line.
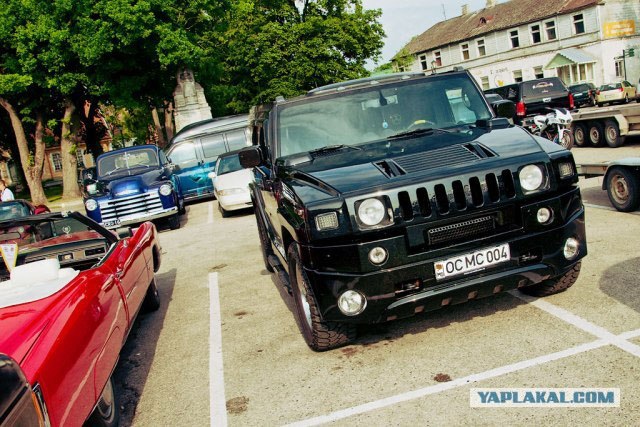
pixel 124 207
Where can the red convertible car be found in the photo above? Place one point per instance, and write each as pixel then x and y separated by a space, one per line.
pixel 70 291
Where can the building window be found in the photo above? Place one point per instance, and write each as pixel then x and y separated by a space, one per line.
pixel 517 76
pixel 535 34
pixel 515 41
pixel 465 51
pixel 484 81
pixel 538 72
pixel 578 23
pixel 481 49
pixel 423 62
pixel 550 28
pixel 619 68
pixel 437 58
pixel 56 161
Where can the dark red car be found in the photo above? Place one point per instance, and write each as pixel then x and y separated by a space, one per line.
pixel 71 291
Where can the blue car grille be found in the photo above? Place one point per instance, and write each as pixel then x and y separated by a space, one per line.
pixel 130 207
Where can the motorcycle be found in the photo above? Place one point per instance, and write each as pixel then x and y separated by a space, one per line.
pixel 555 126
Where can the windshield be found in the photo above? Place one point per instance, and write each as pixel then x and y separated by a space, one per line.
pixel 228 164
pixel 375 113
pixel 125 161
pixel 10 210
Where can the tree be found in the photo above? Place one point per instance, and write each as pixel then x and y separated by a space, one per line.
pixel 285 47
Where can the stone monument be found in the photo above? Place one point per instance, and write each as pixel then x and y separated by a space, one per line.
pixel 190 104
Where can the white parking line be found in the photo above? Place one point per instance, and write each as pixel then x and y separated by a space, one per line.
pixel 218 403
pixel 580 323
pixel 460 382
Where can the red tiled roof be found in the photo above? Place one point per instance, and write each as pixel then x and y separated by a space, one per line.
pixel 498 17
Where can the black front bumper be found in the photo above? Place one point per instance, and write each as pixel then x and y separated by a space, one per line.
pixel 411 287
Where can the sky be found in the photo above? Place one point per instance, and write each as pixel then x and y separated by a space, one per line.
pixel 404 19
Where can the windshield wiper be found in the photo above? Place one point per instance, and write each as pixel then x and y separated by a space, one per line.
pixel 331 148
pixel 421 131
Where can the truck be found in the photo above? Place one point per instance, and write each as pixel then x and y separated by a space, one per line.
pixel 621 181
pixel 390 196
pixel 132 185
pixel 606 125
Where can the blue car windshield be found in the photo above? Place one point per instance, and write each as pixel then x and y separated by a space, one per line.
pixel 125 161
pixel 353 117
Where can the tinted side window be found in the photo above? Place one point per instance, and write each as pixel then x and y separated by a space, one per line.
pixel 237 139
pixel 184 154
pixel 212 146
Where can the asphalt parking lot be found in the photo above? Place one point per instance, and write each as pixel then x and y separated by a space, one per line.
pixel 224 349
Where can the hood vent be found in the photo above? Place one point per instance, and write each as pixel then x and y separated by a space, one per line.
pixel 389 168
pixel 443 157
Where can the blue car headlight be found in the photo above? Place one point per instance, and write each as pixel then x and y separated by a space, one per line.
pixel 165 189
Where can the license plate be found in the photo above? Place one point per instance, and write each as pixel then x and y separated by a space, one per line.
pixel 472 262
pixel 111 223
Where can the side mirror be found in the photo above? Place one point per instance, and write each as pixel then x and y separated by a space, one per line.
pixel 504 108
pixel 123 232
pixel 174 168
pixel 250 157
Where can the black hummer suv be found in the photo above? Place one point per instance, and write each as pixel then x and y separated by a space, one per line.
pixel 384 197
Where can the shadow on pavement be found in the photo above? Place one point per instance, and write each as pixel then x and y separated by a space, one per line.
pixel 620 283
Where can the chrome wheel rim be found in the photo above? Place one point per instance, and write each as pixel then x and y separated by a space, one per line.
pixel 304 303
pixel 106 402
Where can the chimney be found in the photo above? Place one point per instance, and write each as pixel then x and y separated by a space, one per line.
pixel 491 3
pixel 465 9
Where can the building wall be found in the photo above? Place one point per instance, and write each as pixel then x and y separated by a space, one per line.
pixel 609 28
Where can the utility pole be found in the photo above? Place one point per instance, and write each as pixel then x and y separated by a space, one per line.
pixel 444 13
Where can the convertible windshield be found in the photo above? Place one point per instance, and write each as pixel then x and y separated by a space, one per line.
pixel 359 116
pixel 125 161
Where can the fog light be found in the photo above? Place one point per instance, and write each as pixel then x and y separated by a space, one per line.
pixel 571 248
pixel 378 255
pixel 352 303
pixel 544 215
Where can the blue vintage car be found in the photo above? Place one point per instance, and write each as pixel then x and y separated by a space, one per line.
pixel 133 185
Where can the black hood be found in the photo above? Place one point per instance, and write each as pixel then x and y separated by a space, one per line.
pixel 383 165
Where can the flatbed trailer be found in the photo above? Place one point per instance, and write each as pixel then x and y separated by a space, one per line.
pixel 597 126
pixel 621 181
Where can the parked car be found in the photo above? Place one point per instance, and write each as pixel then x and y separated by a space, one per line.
pixel 583 94
pixel 534 97
pixel 195 150
pixel 18 208
pixel 620 92
pixel 373 205
pixel 69 297
pixel 132 185
pixel 231 183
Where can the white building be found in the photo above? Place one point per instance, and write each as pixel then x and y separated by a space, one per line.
pixel 576 40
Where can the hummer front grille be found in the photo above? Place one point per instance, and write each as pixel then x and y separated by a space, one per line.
pixel 124 208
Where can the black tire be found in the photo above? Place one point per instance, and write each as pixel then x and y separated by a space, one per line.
pixel 224 213
pixel 265 244
pixel 107 411
pixel 319 335
pixel 623 189
pixel 626 99
pixel 595 134
pixel 612 134
pixel 555 285
pixel 151 300
pixel 174 221
pixel 567 140
pixel 580 134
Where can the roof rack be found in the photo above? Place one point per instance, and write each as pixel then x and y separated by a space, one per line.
pixel 364 81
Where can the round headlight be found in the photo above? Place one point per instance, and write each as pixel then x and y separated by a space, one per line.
pixel 377 255
pixel 531 177
pixel 371 212
pixel 571 248
pixel 166 189
pixel 544 215
pixel 91 205
pixel 352 303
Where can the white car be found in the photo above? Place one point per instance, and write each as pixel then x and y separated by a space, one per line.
pixel 231 183
pixel 620 92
